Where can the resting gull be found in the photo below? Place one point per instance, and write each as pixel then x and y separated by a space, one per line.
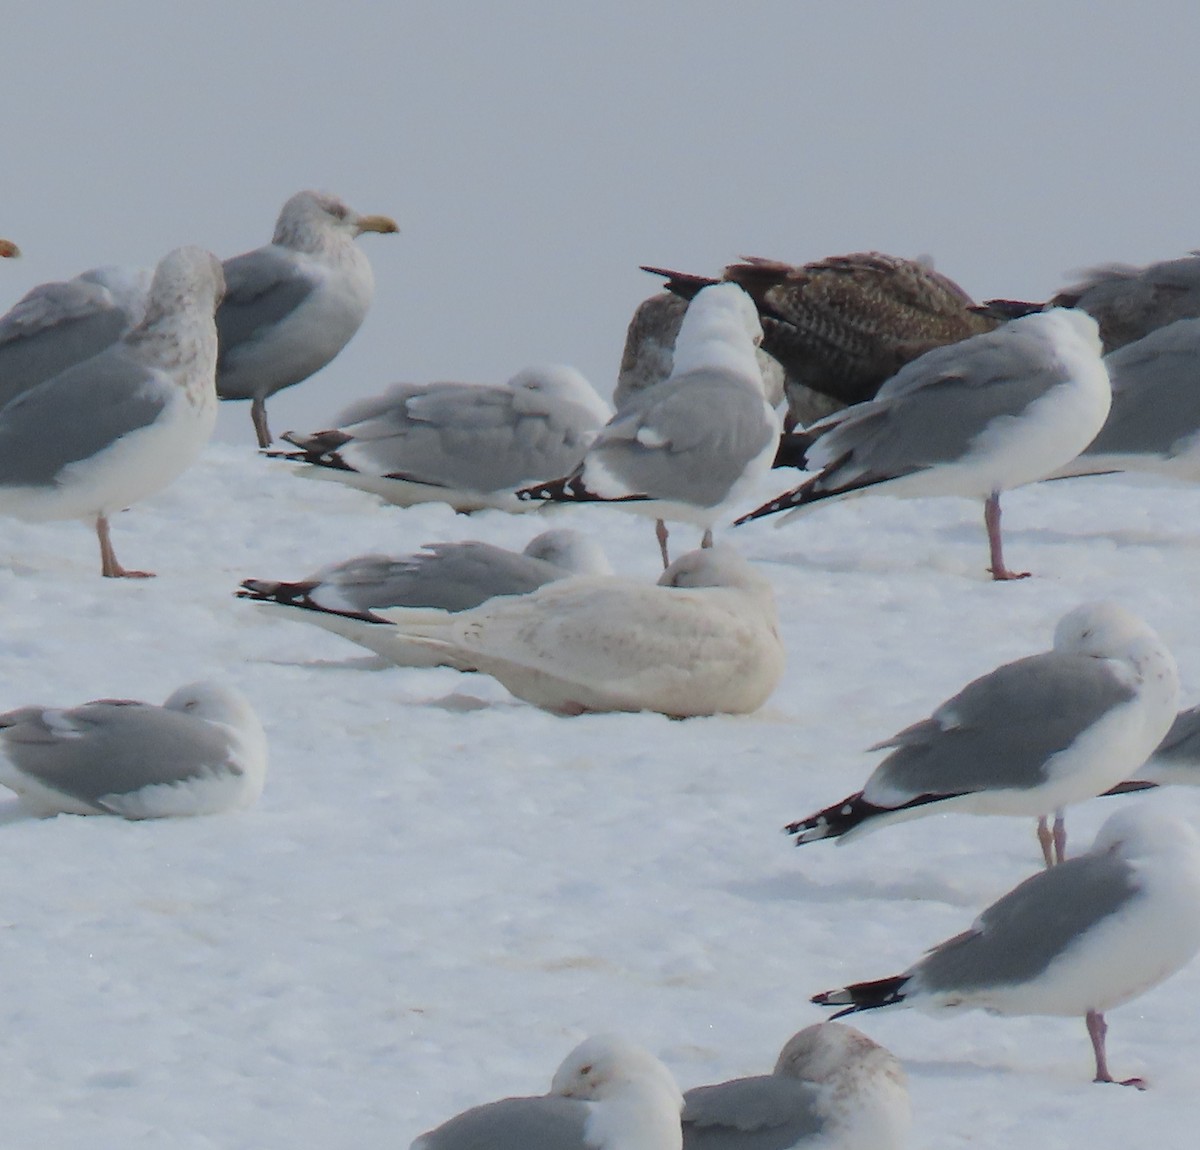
pixel 57 325
pixel 833 1088
pixel 973 419
pixel 291 306
pixel 451 577
pixel 125 423
pixel 1028 738
pixel 703 641
pixel 468 445
pixel 1079 939
pixel 608 1094
pixel 691 447
pixel 1175 761
pixel 203 751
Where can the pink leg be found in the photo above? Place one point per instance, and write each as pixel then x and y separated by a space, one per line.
pixel 991 520
pixel 706 539
pixel 660 532
pixel 258 415
pixel 109 567
pixel 1046 839
pixel 1060 837
pixel 1097 1031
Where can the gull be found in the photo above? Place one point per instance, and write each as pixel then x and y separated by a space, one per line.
pixel 607 1094
pixel 703 641
pixel 1076 940
pixel 468 445
pixel 344 598
pixel 1175 761
pixel 203 751
pixel 59 324
pixel 692 446
pixel 833 1088
pixel 125 423
pixel 973 419
pixel 291 306
pixel 1028 738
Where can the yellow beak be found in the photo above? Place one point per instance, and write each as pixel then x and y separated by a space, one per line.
pixel 383 224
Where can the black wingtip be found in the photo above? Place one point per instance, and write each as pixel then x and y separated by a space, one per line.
pixel 864 995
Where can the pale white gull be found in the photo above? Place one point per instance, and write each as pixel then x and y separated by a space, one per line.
pixel 450 577
pixel 973 419
pixel 468 445
pixel 125 423
pixel 1175 761
pixel 1028 738
pixel 1076 940
pixel 833 1088
pixel 202 752
pixel 291 306
pixel 607 1094
pixel 703 641
pixel 57 325
pixel 692 447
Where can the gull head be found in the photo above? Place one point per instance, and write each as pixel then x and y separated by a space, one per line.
pixel 310 216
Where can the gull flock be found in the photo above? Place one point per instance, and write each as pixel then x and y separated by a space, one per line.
pixel 110 383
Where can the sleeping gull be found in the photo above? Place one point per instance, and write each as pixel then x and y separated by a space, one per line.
pixel 9 250
pixel 833 1088
pixel 203 751
pixel 1079 939
pixel 1028 738
pixel 1127 302
pixel 468 445
pixel 124 424
pixel 449 577
pixel 291 306
pixel 608 1094
pixel 703 641
pixel 692 446
pixel 973 419
pixel 841 326
pixel 57 325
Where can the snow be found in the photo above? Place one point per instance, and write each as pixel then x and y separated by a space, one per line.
pixel 442 889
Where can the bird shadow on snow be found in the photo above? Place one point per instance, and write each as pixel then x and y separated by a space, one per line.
pixel 14 812
pixel 361 663
pixel 919 886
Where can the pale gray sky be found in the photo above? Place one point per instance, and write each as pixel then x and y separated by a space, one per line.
pixel 534 153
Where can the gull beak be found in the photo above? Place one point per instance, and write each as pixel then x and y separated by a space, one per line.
pixel 10 251
pixel 383 224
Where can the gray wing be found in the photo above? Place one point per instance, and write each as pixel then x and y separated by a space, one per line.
pixel 1018 937
pixel 75 415
pixel 117 748
pixel 932 410
pixel 688 439
pixel 469 437
pixel 53 327
pixel 999 731
pixel 768 1112
pixel 261 288
pixel 447 576
pixel 545 1123
pixel 1156 393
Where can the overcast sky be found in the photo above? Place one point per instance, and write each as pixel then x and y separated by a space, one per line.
pixel 534 154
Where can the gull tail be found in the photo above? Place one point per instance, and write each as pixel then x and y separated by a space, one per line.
pixel 855 814
pixel 682 284
pixel 572 489
pixel 793 450
pixel 295 595
pixel 1129 787
pixel 319 448
pixel 864 995
pixel 1006 309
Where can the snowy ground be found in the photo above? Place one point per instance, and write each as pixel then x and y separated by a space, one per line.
pixel 444 889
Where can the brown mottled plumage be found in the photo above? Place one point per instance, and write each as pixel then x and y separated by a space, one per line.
pixel 843 325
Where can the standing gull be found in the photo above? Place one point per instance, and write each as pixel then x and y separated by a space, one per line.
pixel 703 641
pixel 203 751
pixel 1028 738
pixel 124 424
pixel 692 446
pixel 57 325
pixel 832 1088
pixel 606 1095
pixel 973 419
pixel 468 445
pixel 1077 940
pixel 450 577
pixel 291 306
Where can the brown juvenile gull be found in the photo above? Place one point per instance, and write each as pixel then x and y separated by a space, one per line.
pixel 345 598
pixel 125 423
pixel 833 1088
pixel 1076 940
pixel 607 1094
pixel 203 751
pixel 1030 737
pixel 291 306
pixel 974 419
